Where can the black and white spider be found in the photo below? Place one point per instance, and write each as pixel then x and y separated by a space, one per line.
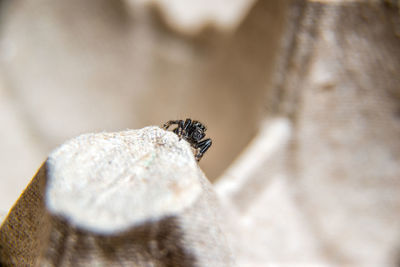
pixel 192 132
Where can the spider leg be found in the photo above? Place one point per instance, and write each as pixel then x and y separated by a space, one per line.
pixel 180 130
pixel 169 123
pixel 185 126
pixel 177 130
pixel 203 146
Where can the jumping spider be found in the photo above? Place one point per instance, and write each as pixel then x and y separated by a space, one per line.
pixel 192 132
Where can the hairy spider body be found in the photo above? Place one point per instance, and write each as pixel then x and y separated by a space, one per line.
pixel 193 133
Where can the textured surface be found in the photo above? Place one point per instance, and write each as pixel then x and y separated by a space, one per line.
pixel 319 183
pixel 132 198
pixel 98 193
pixel 325 190
pixel 117 67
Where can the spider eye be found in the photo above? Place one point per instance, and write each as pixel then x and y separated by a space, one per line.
pixel 198 134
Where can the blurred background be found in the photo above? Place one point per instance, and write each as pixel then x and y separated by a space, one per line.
pixel 301 99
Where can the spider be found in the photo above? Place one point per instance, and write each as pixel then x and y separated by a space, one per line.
pixel 192 132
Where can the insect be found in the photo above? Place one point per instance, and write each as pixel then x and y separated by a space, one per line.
pixel 192 132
